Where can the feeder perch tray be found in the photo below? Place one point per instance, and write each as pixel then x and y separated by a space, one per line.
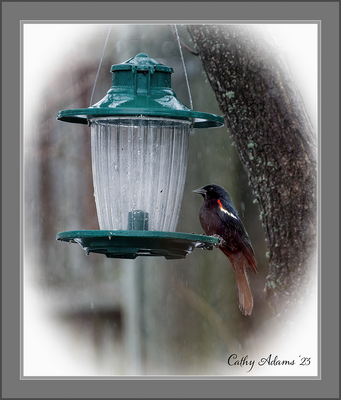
pixel 130 244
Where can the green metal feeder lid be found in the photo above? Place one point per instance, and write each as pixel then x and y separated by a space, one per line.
pixel 130 244
pixel 141 86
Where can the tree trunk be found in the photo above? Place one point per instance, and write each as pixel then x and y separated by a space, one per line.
pixel 267 120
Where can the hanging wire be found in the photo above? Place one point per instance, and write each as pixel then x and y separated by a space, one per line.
pixel 184 66
pixel 99 67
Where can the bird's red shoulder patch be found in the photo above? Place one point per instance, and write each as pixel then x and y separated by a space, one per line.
pixel 225 211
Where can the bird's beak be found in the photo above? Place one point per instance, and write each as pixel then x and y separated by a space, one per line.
pixel 200 191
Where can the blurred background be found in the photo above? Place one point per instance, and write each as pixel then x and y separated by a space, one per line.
pixel 89 315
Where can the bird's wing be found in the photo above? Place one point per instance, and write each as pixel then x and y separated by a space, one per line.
pixel 233 223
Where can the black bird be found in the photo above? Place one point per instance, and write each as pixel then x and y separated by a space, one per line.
pixel 218 217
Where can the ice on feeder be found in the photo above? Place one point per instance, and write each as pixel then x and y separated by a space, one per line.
pixel 139 164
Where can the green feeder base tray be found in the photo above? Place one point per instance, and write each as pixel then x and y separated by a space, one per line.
pixel 130 244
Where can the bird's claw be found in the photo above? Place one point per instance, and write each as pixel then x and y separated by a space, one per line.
pixel 222 242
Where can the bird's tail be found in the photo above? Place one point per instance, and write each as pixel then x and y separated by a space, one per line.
pixel 244 293
pixel 240 265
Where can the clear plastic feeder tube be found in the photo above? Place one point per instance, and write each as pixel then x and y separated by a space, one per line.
pixel 139 170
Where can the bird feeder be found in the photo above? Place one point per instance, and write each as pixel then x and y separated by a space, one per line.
pixel 139 149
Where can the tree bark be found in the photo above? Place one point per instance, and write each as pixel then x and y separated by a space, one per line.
pixel 267 120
